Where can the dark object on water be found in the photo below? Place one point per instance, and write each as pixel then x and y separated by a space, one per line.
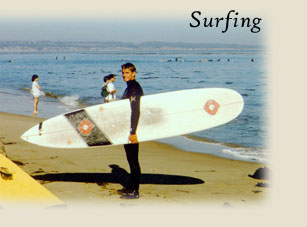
pixel 261 173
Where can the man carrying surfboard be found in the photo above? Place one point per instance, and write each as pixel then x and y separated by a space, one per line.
pixel 133 92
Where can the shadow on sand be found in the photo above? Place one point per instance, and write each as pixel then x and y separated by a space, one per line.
pixel 118 175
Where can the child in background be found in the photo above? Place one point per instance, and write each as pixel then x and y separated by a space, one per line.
pixel 110 88
pixel 36 92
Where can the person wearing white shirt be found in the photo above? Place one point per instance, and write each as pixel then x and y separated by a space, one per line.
pixel 110 88
pixel 36 92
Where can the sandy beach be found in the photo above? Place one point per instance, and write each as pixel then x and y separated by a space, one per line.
pixel 170 176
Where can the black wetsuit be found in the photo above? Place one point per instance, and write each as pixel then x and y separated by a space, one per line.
pixel 133 92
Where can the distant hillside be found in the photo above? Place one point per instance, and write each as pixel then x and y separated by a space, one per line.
pixel 113 46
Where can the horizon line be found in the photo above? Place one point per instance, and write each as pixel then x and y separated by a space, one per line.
pixel 131 42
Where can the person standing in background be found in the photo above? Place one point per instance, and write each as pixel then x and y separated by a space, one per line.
pixel 36 92
pixel 110 88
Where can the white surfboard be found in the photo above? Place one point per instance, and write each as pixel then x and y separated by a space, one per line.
pixel 162 115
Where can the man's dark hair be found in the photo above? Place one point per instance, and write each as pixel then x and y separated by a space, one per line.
pixel 129 66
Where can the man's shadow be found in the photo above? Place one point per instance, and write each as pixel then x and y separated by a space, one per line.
pixel 120 176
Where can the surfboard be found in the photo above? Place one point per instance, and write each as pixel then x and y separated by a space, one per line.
pixel 162 115
pixel 16 186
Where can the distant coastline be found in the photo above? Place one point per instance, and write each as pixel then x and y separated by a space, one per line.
pixel 122 47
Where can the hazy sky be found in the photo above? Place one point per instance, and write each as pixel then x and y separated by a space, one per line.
pixel 132 21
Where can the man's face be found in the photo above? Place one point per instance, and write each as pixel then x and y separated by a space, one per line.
pixel 128 75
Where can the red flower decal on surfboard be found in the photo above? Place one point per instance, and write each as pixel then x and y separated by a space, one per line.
pixel 211 107
pixel 85 127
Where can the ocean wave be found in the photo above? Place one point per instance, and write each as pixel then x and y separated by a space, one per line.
pixel 26 89
pixel 248 154
pixel 51 95
pixel 47 93
pixel 72 100
pixel 228 150
pixel 150 77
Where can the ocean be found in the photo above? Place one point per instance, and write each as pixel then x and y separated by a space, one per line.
pixel 74 80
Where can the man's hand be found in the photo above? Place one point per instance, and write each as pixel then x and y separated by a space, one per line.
pixel 133 138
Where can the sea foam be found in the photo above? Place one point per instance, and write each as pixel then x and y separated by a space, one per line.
pixel 247 154
pixel 70 100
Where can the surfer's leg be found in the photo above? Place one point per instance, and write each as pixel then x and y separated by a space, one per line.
pixel 132 152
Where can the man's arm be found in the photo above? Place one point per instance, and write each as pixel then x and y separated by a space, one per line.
pixel 135 101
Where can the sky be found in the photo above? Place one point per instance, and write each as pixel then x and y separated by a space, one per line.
pixel 133 21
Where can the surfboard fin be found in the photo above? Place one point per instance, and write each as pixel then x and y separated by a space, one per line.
pixel 40 125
